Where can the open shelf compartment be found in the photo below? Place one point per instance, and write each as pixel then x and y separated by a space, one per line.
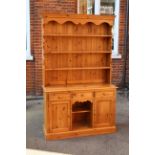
pixel 81 115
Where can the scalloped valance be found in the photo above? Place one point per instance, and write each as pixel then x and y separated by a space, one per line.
pixel 78 19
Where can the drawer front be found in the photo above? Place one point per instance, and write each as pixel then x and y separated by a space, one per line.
pixel 59 96
pixel 104 94
pixel 82 96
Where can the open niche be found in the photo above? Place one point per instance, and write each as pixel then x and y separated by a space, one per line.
pixel 81 115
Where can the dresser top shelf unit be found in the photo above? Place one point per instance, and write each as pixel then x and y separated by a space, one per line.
pixel 76 49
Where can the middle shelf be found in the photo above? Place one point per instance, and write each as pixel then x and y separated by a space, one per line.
pixel 81 111
pixel 77 35
pixel 77 68
pixel 77 52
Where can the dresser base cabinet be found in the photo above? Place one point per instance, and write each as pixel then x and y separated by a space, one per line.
pixel 71 112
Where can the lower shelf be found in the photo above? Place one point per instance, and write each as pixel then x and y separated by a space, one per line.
pixel 77 68
pixel 81 121
pixel 80 126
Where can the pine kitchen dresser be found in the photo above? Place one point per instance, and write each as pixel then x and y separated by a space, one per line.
pixel 79 99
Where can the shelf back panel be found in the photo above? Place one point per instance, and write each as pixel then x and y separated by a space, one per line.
pixel 55 43
pixel 77 77
pixel 77 60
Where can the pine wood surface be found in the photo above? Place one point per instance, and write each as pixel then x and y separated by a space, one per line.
pixel 79 96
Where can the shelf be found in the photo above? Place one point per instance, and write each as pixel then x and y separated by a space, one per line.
pixel 78 52
pixel 81 111
pixel 76 35
pixel 80 126
pixel 77 68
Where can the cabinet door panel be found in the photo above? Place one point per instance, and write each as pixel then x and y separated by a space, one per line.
pixel 59 116
pixel 104 111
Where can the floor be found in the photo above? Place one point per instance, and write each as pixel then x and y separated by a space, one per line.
pixel 108 144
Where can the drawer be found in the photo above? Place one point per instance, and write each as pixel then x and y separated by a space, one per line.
pixel 82 96
pixel 59 96
pixel 104 94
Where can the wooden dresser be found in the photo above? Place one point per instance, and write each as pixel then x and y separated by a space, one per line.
pixel 79 99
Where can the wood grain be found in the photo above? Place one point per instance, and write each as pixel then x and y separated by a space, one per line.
pixel 79 98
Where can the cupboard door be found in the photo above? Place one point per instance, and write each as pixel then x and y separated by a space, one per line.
pixel 104 112
pixel 59 116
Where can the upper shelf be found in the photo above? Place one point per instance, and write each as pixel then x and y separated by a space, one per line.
pixel 76 35
pixel 77 52
pixel 77 68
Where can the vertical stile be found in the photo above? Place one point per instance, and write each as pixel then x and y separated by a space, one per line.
pixel 110 32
